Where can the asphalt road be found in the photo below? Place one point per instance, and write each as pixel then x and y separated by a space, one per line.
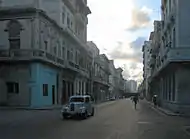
pixel 115 120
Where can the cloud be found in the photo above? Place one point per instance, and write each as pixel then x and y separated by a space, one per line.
pixel 133 66
pixel 140 19
pixel 121 52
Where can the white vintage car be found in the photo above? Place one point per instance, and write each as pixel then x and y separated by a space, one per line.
pixel 82 106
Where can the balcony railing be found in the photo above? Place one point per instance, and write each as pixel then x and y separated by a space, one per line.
pixel 77 68
pixel 30 54
pixel 100 80
pixel 35 54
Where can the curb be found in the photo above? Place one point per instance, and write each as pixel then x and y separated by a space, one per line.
pixel 166 112
pixel 51 108
pixel 17 108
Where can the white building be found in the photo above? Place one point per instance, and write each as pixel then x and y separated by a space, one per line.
pixel 112 88
pixel 146 62
pixel 132 86
pixel 43 52
pixel 172 57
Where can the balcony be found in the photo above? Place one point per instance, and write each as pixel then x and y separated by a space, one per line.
pixel 30 55
pixel 179 54
pixel 74 67
pixel 101 80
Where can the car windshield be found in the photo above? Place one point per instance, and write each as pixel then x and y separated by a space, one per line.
pixel 77 99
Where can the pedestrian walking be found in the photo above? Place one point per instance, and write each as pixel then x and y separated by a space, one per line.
pixel 155 100
pixel 135 100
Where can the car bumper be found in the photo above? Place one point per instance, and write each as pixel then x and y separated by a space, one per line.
pixel 71 114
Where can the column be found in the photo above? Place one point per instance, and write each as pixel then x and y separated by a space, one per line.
pixel 72 88
pixel 75 87
pixel 59 88
pixel 80 87
pixel 84 87
pixel 66 91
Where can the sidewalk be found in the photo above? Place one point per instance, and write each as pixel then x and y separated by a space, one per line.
pixel 55 107
pixel 31 108
pixel 165 111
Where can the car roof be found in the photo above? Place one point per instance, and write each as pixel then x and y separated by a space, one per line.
pixel 79 96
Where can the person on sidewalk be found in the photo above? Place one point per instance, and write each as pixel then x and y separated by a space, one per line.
pixel 135 100
pixel 155 100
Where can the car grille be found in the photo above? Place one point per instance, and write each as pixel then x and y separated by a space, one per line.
pixel 72 107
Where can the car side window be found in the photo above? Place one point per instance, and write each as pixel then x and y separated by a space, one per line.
pixel 87 99
pixel 91 99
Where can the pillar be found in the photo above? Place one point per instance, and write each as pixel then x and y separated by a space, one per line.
pixel 80 88
pixel 59 88
pixel 66 91
pixel 71 88
pixel 84 87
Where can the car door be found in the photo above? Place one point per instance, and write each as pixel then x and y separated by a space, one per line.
pixel 87 104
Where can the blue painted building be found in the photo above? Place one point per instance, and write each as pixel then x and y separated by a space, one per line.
pixel 43 85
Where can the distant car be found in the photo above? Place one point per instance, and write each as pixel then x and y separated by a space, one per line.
pixel 112 99
pixel 82 106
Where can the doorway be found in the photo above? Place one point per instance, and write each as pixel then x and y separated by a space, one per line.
pixel 53 94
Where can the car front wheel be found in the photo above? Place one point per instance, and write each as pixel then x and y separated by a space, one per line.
pixel 65 116
pixel 92 114
pixel 85 115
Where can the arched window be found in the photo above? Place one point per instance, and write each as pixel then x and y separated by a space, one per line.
pixel 14 28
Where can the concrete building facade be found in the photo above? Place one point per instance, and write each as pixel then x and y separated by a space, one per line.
pixel 146 49
pixel 132 86
pixel 101 78
pixel 43 54
pixel 170 71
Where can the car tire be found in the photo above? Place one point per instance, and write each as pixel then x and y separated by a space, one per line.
pixel 92 114
pixel 65 117
pixel 85 115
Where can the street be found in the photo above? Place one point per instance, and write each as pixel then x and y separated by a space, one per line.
pixel 112 120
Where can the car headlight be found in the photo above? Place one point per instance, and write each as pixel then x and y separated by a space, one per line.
pixel 65 108
pixel 82 107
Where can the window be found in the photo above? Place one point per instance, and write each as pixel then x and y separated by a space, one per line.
pixel 14 28
pixel 46 45
pixel 77 99
pixel 68 55
pixel 55 50
pixel 87 99
pixel 174 38
pixel 59 49
pixel 76 57
pixel 71 55
pixel 12 87
pixel 92 98
pixel 63 16
pixel 63 52
pixel 45 89
pixel 68 21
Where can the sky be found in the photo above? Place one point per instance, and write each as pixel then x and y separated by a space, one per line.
pixel 119 29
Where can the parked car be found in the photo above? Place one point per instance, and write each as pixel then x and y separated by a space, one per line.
pixel 82 106
pixel 112 99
